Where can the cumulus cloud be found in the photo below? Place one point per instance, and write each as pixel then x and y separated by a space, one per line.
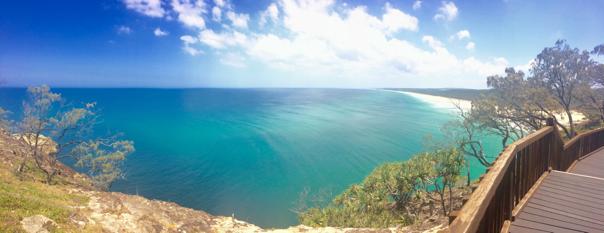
pixel 188 42
pixel 460 35
pixel 270 14
pixel 417 5
pixel 470 45
pixel 216 13
pixel 395 20
pixel 525 67
pixel 222 40
pixel 159 33
pixel 190 12
pixel 328 39
pixel 447 11
pixel 432 42
pixel 124 30
pixel 238 20
pixel 151 8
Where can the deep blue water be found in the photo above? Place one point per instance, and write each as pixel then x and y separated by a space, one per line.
pixel 250 152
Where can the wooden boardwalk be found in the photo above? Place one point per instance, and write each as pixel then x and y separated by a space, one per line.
pixel 539 183
pixel 566 201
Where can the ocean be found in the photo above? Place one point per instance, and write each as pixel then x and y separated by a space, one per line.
pixel 250 153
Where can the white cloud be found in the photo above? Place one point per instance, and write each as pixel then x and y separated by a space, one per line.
pixel 525 67
pixel 159 33
pixel 216 14
pixel 395 20
pixel 190 12
pixel 271 13
pixel 220 3
pixel 188 39
pixel 188 42
pixel 238 20
pixel 432 42
pixel 470 45
pixel 124 30
pixel 222 40
pixel 447 11
pixel 333 41
pixel 460 35
pixel 150 8
pixel 417 5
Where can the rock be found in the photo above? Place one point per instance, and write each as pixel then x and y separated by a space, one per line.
pixel 37 224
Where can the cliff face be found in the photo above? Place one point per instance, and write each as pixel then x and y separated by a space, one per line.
pixel 72 205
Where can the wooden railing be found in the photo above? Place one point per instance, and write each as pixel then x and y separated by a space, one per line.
pixel 519 166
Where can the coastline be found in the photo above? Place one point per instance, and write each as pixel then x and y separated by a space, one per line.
pixel 447 103
pixel 439 102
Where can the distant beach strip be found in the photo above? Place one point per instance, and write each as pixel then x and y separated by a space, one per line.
pixel 438 101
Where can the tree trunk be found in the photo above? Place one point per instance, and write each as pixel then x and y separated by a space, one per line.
pixel 450 199
pixel 570 123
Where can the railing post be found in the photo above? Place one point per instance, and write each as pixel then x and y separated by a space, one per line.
pixel 550 121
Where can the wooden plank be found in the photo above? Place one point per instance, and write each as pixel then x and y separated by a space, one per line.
pixel 578 179
pixel 528 195
pixel 506 226
pixel 570 200
pixel 584 211
pixel 580 136
pixel 547 210
pixel 541 226
pixel 561 221
pixel 523 229
pixel 572 192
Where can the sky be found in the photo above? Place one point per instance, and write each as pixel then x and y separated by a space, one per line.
pixel 283 43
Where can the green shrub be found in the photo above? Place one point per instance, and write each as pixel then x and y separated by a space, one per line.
pixel 393 194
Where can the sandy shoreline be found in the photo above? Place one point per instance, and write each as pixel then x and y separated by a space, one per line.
pixel 438 101
pixel 450 104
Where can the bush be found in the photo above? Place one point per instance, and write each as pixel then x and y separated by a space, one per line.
pixel 393 194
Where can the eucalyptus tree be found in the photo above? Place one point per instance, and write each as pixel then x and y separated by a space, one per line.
pixel 52 131
pixel 563 72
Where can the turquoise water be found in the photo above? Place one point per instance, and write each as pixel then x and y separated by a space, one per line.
pixel 250 152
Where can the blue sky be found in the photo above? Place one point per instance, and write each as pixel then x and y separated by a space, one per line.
pixel 283 43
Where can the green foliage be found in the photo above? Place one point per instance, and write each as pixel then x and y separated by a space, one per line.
pixel 19 199
pixel 52 131
pixel 392 194
pixel 562 80
pixel 102 159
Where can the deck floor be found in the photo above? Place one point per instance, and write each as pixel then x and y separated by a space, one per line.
pixel 591 165
pixel 567 202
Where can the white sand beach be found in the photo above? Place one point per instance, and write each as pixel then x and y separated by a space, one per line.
pixel 439 101
pixel 466 105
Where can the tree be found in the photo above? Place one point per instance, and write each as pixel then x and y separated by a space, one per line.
pixel 393 193
pixel 448 164
pixel 102 159
pixel 465 131
pixel 562 71
pixel 52 132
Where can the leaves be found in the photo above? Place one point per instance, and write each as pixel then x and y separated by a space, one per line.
pixel 102 159
pixel 70 130
pixel 385 197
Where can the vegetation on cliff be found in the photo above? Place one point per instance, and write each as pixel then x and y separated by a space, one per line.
pixel 395 193
pixel 50 131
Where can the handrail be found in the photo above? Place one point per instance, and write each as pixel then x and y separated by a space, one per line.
pixel 519 166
